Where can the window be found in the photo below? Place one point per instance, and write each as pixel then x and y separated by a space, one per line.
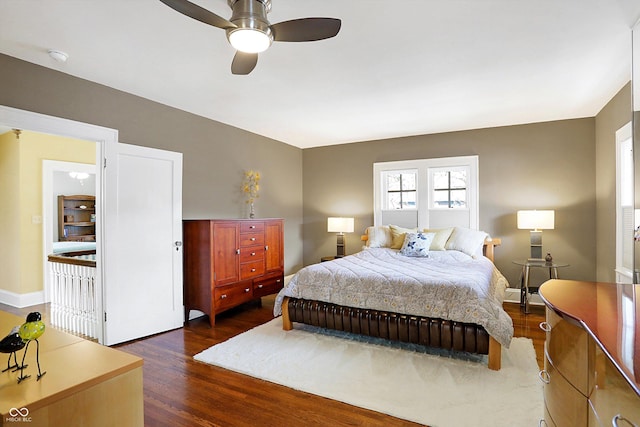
pixel 449 188
pixel 400 189
pixel 427 193
pixel 625 216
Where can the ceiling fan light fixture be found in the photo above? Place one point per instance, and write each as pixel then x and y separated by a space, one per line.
pixel 249 40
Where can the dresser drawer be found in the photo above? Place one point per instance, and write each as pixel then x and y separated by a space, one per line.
pixel 268 286
pixel 251 226
pixel 613 396
pixel 571 351
pixel 548 421
pixel 593 418
pixel 251 269
pixel 566 405
pixel 251 239
pixel 251 254
pixel 232 295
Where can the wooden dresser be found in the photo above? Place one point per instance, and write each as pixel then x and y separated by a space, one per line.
pixel 591 373
pixel 230 262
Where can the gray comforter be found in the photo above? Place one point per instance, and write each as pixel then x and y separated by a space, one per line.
pixel 447 285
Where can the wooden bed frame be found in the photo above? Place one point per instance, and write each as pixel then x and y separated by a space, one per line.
pixel 432 332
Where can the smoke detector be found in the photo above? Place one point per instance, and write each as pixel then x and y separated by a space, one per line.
pixel 58 55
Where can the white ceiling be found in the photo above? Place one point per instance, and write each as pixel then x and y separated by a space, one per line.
pixel 397 67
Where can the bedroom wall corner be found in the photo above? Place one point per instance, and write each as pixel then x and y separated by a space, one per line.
pixel 615 114
pixel 215 155
pixel 533 166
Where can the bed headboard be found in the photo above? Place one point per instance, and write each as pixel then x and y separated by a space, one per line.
pixel 487 249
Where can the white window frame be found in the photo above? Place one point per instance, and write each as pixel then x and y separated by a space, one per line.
pixel 385 188
pixel 424 187
pixel 624 238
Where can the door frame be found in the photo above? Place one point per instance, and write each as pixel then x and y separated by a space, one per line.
pixel 102 136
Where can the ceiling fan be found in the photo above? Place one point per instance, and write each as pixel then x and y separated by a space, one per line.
pixel 249 31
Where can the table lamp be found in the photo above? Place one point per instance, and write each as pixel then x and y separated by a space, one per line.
pixel 340 226
pixel 536 221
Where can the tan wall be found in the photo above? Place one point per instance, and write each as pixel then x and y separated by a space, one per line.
pixel 543 165
pixel 215 155
pixel 536 166
pixel 24 264
pixel 612 117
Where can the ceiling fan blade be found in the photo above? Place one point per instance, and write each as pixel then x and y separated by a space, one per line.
pixel 243 63
pixel 196 12
pixel 305 29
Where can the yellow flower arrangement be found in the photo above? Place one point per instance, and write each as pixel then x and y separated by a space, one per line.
pixel 251 185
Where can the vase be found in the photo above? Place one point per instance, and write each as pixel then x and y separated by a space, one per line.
pixel 252 213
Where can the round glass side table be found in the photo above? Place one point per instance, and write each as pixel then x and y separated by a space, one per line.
pixel 524 277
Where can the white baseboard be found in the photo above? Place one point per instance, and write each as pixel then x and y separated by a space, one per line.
pixel 513 295
pixel 21 300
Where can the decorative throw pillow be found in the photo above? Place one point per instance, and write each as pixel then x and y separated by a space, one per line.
pixel 440 239
pixel 397 235
pixel 417 244
pixel 379 236
pixel 466 240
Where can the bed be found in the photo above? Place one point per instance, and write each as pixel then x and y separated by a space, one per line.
pixel 447 295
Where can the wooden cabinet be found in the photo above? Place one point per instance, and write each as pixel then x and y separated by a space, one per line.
pixel 612 398
pixel 568 372
pixel 86 384
pixel 591 359
pixel 230 262
pixel 77 218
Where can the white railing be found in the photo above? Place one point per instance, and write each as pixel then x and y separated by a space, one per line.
pixel 73 292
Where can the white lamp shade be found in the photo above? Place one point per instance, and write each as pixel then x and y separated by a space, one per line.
pixel 536 220
pixel 339 225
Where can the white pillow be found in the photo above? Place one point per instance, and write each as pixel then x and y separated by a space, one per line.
pixel 466 240
pixel 417 244
pixel 379 236
pixel 440 239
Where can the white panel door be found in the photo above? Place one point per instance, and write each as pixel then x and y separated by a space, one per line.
pixel 142 240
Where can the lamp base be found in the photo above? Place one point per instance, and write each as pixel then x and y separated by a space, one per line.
pixel 340 252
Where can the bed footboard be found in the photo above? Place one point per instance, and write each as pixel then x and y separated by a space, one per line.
pixel 425 331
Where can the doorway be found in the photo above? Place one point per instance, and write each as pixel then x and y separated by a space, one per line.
pixel 57 181
pixel 129 206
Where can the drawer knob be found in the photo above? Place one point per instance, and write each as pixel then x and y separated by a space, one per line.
pixel 260 286
pixel 278 281
pixel 544 376
pixel 253 239
pixel 247 289
pixel 253 270
pixel 223 296
pixel 253 254
pixel 545 326
pixel 618 417
pixel 238 251
pixel 252 226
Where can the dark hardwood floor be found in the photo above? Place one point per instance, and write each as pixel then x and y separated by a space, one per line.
pixel 179 391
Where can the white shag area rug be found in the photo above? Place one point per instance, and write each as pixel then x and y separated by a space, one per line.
pixel 438 388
